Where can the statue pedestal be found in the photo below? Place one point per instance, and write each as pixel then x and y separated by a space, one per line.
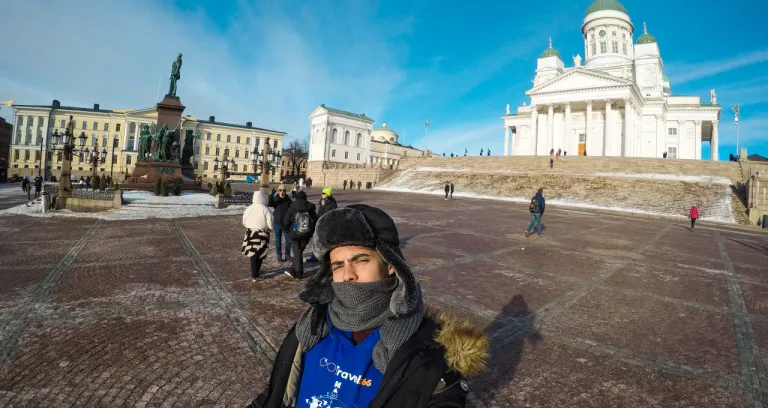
pixel 169 112
pixel 146 174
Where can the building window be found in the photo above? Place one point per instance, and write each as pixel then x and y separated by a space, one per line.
pixel 359 141
pixel 238 139
pixel 18 137
pixel 615 47
pixel 229 138
pixel 205 165
pixel 613 33
pixel 218 137
pixel 128 159
pixel 237 153
pixel 247 140
pixel 346 138
pixel 63 124
pixel 274 145
pixel 26 155
pixel 624 36
pixel 16 155
pixel 333 153
pixel 197 149
pixel 114 158
pixel 594 48
pixel 104 141
pixel 94 141
pixel 84 125
pixel 95 125
pixel 358 157
pixel 40 121
pixel 346 155
pixel 28 138
pixel 246 153
pixel 130 142
pixel 603 47
pixel 117 127
pixel 208 136
pixel 672 132
pixel 37 155
pixel 21 121
pixel 39 137
pixel 334 136
pixel 207 150
pixel 672 152
pixel 218 151
pixel 624 48
pixel 132 128
pixel 106 127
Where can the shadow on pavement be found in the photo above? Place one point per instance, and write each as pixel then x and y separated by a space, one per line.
pixel 762 249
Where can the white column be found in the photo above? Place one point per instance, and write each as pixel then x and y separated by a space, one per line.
pixel 714 144
pixel 697 140
pixel 550 127
pixel 534 139
pixel 627 143
pixel 125 134
pixel 136 137
pixel 607 128
pixel 661 142
pixel 513 141
pixel 506 140
pixel 638 125
pixel 567 129
pixel 682 151
pixel 588 130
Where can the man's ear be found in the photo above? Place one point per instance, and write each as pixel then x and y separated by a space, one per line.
pixel 391 270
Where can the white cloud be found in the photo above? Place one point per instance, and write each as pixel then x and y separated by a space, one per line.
pixel 683 72
pixel 270 63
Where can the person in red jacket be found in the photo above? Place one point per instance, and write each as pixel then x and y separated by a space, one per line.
pixel 693 215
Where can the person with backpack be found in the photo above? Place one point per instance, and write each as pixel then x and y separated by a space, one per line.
pixel 299 221
pixel 693 215
pixel 536 208
pixel 38 185
pixel 280 202
pixel 447 189
pixel 258 221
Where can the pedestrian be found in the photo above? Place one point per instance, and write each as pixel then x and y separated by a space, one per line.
pixel 481 152
pixel 345 185
pixel 565 153
pixel 536 208
pixel 451 190
pixel 88 181
pixel 559 151
pixel 551 162
pixel 25 185
pixel 359 184
pixel 109 181
pixel 552 152
pixel 258 223
pixel 280 203
pixel 664 155
pixel 693 215
pixel 488 152
pixel 447 189
pixel 351 184
pixel 38 185
pixel 293 191
pixel 365 338
pixel 301 183
pixel 299 221
pixel 585 152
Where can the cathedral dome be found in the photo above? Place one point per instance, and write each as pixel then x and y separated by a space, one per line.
pixel 646 38
pixel 384 134
pixel 550 52
pixel 600 5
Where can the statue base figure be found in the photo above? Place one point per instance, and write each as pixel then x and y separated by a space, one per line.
pixel 146 174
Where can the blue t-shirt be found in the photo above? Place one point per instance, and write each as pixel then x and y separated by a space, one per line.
pixel 338 374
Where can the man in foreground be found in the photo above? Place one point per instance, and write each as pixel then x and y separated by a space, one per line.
pixel 365 341
pixel 536 208
pixel 280 203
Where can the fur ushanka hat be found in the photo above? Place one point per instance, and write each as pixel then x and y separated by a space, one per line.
pixel 361 225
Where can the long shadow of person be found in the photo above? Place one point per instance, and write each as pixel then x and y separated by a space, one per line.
pixel 507 333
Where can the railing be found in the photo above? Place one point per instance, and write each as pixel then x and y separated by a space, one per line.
pixel 238 198
pixel 107 195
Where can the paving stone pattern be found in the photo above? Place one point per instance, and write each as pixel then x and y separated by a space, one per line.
pixel 604 311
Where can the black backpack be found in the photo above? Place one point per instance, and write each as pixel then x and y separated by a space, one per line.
pixel 534 206
pixel 303 223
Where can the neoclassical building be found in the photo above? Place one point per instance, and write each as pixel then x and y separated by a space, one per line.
pixel 618 103
pixel 117 132
pixel 342 137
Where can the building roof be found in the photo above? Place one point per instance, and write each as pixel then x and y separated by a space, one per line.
pixel 757 157
pixel 204 122
pixel 347 114
pixel 73 108
pixel 600 5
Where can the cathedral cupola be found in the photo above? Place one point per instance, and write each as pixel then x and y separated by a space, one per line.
pixel 550 52
pixel 646 38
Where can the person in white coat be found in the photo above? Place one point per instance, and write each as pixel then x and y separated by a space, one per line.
pixel 257 219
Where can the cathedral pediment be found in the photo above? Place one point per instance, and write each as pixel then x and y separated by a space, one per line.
pixel 579 79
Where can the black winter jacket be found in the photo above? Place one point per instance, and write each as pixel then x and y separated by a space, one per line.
pixel 281 207
pixel 427 371
pixel 330 204
pixel 298 205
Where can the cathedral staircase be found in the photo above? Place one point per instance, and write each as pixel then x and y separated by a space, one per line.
pixel 663 187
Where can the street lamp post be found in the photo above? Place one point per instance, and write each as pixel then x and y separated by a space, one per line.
pixel 68 151
pixel 266 159
pixel 426 127
pixel 735 108
pixel 112 167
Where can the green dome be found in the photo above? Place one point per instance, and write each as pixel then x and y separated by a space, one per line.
pixel 600 5
pixel 646 39
pixel 550 52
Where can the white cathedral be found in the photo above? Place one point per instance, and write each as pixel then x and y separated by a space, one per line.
pixel 619 103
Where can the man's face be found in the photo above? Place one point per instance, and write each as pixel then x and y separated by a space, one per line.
pixel 323 196
pixel 358 264
pixel 281 192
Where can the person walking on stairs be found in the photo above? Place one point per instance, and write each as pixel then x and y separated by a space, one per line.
pixel 258 223
pixel 536 208
pixel 451 191
pixel 447 189
pixel 693 215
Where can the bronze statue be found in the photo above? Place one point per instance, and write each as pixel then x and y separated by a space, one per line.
pixel 189 147
pixel 175 76
pixel 145 143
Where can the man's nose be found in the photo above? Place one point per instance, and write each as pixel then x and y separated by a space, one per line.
pixel 349 273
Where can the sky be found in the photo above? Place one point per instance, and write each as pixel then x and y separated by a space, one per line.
pixel 456 64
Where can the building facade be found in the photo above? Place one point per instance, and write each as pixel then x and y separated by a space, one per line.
pixel 342 137
pixel 6 130
pixel 117 131
pixel 619 103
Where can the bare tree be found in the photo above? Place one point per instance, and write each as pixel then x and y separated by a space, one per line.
pixel 296 154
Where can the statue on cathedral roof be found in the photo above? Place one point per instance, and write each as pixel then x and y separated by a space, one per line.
pixel 577 60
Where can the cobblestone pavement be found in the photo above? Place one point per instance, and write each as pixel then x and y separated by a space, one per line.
pixel 604 311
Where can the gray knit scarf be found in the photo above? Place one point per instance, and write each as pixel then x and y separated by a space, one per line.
pixel 357 306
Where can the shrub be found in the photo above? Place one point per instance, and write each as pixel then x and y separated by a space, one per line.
pixel 163 189
pixel 227 190
pixel 157 187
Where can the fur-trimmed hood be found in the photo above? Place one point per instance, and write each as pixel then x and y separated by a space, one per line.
pixel 466 349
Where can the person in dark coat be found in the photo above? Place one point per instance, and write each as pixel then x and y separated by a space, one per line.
pixel 280 203
pixel 25 187
pixel 299 241
pixel 451 191
pixel 345 185
pixel 536 208
pixel 447 190
pixel 38 185
pixel 327 202
pixel 366 316
pixel 359 184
